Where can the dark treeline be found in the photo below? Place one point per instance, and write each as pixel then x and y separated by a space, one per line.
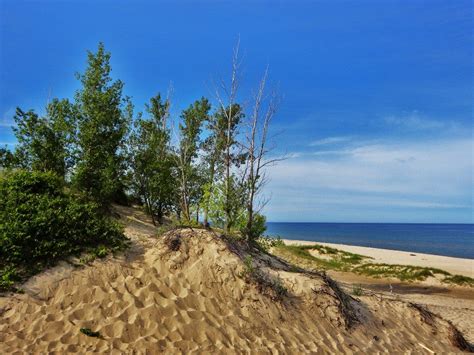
pixel 205 165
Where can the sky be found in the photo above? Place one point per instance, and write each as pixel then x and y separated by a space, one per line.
pixel 376 117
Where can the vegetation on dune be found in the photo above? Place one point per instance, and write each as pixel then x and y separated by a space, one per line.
pixel 334 259
pixel 337 259
pixel 73 162
pixel 40 224
pixel 460 280
pixel 266 283
pixel 401 272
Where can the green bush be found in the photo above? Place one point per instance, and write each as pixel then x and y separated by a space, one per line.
pixel 258 226
pixel 40 223
pixel 265 243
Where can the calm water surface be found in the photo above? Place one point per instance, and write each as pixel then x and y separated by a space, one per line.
pixel 455 240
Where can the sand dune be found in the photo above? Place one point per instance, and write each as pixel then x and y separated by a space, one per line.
pixel 190 296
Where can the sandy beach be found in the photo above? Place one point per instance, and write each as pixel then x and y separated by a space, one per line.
pixel 455 266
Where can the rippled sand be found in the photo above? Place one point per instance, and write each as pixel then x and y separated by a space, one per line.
pixel 154 299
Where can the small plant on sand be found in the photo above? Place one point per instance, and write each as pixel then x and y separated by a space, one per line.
pixel 8 276
pixel 266 284
pixel 357 290
pixel 101 251
pixel 249 269
pixel 265 243
pixel 90 333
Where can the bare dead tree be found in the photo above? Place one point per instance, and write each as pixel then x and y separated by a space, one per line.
pixel 257 150
pixel 228 109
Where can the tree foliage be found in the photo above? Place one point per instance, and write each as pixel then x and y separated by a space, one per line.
pixel 151 162
pixel 103 122
pixel 45 143
pixel 96 148
pixel 190 129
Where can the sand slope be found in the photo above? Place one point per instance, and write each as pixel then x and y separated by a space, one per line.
pixel 154 299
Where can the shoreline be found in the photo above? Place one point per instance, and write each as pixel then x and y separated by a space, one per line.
pixel 455 266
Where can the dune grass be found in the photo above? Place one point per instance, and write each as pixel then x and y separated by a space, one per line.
pixel 334 259
pixel 328 258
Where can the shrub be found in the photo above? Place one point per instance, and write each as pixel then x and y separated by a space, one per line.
pixel 40 223
pixel 258 226
pixel 8 276
pixel 357 290
pixel 265 243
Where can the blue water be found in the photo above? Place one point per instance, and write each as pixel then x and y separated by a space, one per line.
pixel 455 240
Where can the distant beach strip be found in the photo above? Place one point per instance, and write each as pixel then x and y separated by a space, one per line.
pixel 453 240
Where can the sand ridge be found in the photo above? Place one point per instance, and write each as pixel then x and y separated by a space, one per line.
pixel 193 299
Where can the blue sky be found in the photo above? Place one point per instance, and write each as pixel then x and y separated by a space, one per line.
pixel 376 119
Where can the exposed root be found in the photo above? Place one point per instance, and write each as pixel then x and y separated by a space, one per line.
pixel 343 301
pixel 454 335
pixel 457 339
pixel 426 315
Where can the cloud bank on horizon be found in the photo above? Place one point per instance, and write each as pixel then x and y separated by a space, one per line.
pixel 376 181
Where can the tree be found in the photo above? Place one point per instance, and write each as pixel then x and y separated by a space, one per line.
pixel 212 148
pixel 190 129
pixel 256 151
pixel 7 158
pixel 151 160
pixel 103 120
pixel 45 143
pixel 232 114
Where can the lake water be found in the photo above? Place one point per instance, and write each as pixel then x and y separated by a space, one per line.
pixel 455 240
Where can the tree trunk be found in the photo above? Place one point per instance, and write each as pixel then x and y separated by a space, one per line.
pixel 150 210
pixel 211 182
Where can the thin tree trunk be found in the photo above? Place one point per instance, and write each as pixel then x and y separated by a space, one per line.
pixel 150 211
pixel 206 205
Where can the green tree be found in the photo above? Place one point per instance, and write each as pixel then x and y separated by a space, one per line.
pixel 151 160
pixel 190 129
pixel 103 122
pixel 212 159
pixel 45 143
pixel 232 117
pixel 7 158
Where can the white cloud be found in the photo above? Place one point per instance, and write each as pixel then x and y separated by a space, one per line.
pixel 330 140
pixel 429 175
pixel 416 122
pixel 7 118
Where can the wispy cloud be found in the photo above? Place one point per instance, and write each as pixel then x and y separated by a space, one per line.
pixel 330 140
pixel 415 121
pixel 6 120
